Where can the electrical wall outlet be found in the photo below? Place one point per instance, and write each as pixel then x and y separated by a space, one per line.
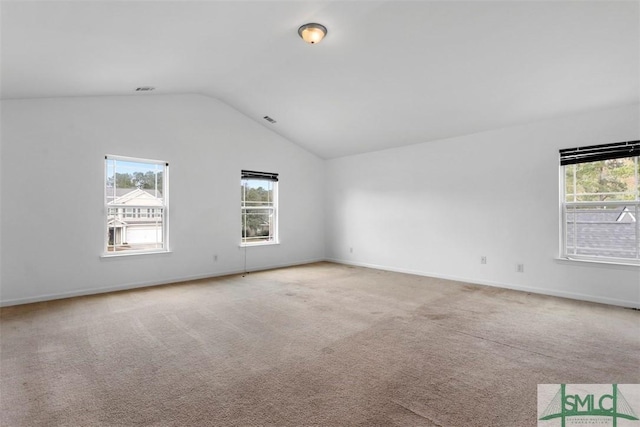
pixel 215 258
pixel 350 250
pixel 483 259
pixel 520 268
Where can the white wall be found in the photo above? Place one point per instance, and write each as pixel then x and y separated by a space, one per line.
pixel 52 164
pixel 436 208
pixel 432 208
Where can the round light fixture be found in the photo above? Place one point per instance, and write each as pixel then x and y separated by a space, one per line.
pixel 312 33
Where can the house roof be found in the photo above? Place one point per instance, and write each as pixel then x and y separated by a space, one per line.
pixel 133 196
pixel 604 232
pixel 388 73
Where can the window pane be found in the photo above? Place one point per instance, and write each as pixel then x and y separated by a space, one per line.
pixel 135 205
pixel 569 183
pixel 122 175
pixel 257 192
pixel 606 180
pixel 637 162
pixel 602 208
pixel 128 232
pixel 259 204
pixel 601 231
pixel 257 225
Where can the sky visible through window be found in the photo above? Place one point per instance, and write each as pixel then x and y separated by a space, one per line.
pixel 122 166
pixel 256 183
pixel 134 174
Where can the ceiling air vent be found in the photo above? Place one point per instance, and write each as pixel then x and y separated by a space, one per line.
pixel 144 89
pixel 269 119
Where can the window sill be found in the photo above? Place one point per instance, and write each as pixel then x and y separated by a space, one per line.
pixel 594 263
pixel 249 245
pixel 128 254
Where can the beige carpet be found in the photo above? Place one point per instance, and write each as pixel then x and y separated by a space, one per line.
pixel 321 344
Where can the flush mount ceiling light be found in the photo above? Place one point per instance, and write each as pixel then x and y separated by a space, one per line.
pixel 312 33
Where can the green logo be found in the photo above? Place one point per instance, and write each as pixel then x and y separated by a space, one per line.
pixel 588 402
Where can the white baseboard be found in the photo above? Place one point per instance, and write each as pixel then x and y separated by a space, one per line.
pixel 541 291
pixel 144 284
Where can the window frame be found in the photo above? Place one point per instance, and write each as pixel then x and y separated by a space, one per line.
pixel 136 209
pixel 274 208
pixel 567 206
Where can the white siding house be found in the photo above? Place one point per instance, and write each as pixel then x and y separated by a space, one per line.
pixel 138 226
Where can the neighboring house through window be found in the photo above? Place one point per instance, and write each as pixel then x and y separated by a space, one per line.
pixel 135 205
pixel 601 202
pixel 259 205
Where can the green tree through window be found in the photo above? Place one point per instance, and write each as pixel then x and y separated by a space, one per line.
pixel 604 180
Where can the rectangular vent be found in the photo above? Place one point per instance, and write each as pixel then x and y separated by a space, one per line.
pixel 269 119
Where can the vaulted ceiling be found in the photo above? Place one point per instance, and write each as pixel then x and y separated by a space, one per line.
pixel 389 73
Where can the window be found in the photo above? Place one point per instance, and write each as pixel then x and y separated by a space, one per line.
pixel 135 205
pixel 259 202
pixel 601 202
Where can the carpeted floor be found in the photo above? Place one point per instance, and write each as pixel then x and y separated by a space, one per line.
pixel 319 344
